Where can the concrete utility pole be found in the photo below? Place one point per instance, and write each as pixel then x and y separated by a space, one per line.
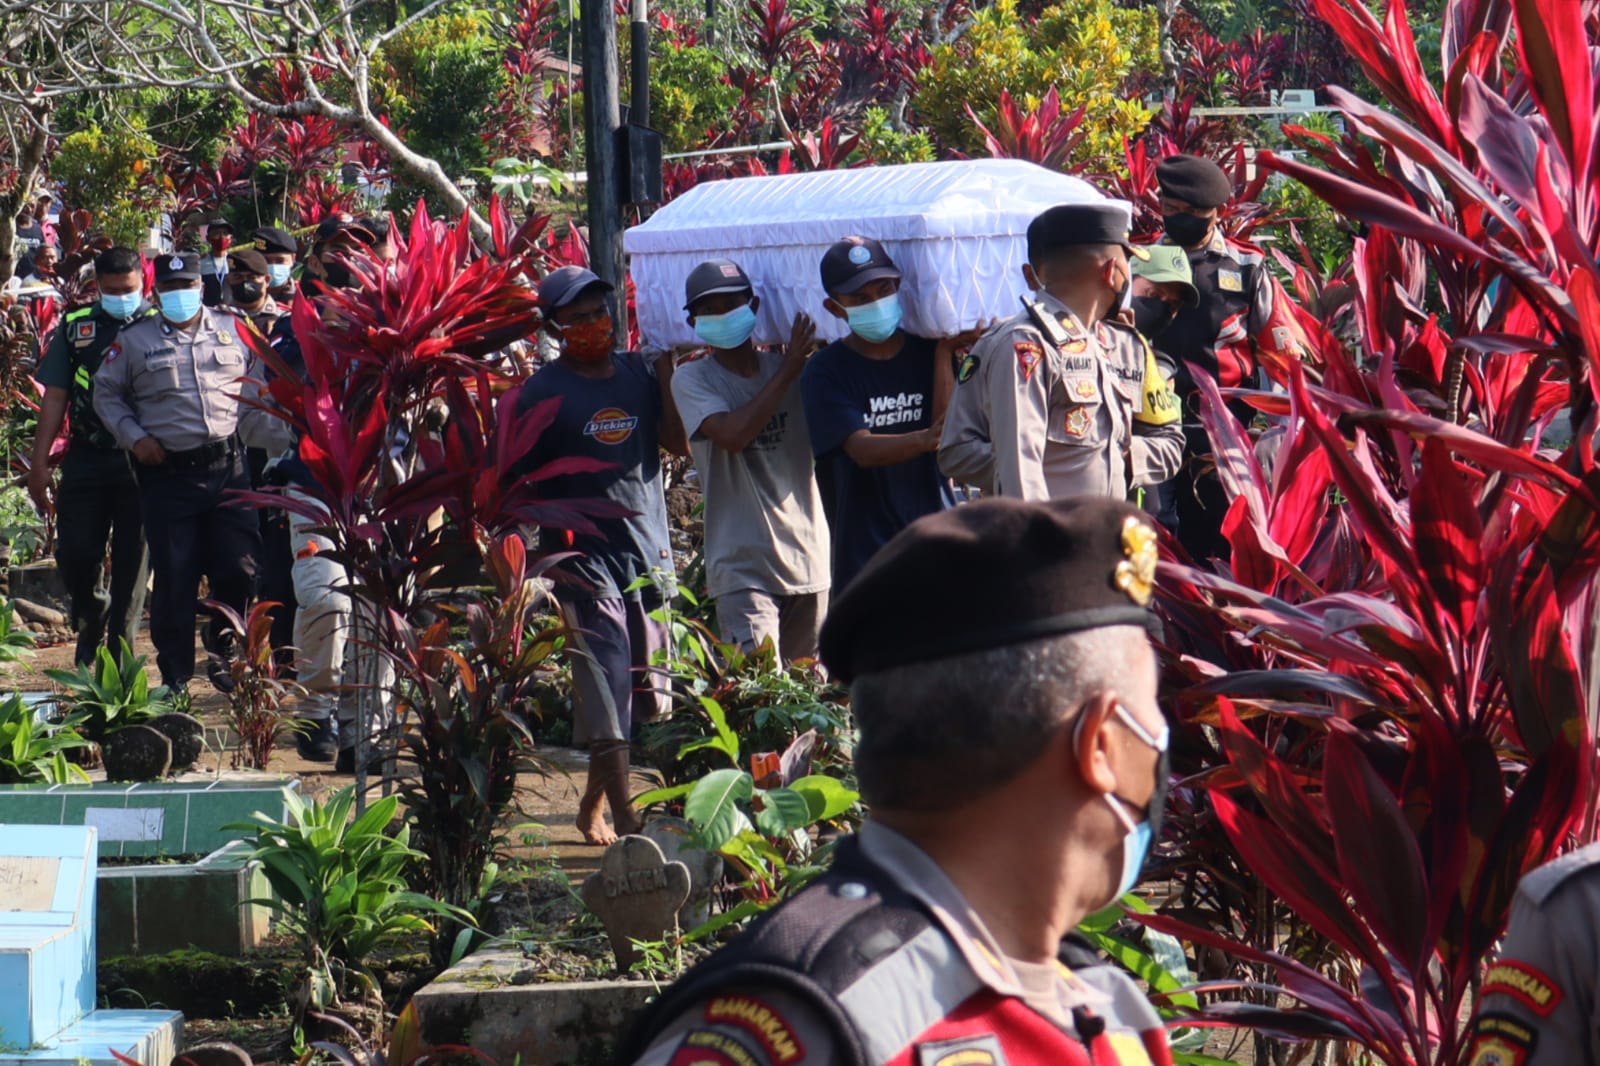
pixel 602 117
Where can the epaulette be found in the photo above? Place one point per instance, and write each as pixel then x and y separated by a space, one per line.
pixel 1542 883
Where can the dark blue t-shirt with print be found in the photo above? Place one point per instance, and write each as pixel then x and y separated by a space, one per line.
pixel 844 392
pixel 616 420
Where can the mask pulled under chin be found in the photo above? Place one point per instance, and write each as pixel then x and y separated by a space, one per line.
pixel 588 342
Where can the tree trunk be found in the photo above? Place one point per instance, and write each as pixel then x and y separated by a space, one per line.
pixel 28 162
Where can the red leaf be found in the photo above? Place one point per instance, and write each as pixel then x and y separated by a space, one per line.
pixel 1448 537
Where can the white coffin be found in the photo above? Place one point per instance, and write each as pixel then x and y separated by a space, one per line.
pixel 956 230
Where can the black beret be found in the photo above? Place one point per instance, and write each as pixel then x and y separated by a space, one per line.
pixel 1194 180
pixel 1069 224
pixel 275 239
pixel 992 573
pixel 247 260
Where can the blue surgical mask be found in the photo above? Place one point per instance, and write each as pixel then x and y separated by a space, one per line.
pixel 180 305
pixel 877 320
pixel 278 275
pixel 121 305
pixel 728 330
pixel 1139 836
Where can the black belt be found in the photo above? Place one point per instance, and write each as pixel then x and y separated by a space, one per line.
pixel 208 455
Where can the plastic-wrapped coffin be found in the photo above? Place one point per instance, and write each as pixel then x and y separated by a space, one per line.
pixel 955 229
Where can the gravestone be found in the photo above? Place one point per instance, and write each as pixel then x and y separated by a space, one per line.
pixel 705 867
pixel 47 960
pixel 136 753
pixel 636 893
pixel 188 737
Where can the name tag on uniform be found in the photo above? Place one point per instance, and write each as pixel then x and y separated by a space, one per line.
pixel 1230 281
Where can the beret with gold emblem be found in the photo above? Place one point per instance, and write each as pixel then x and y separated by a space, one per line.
pixel 992 573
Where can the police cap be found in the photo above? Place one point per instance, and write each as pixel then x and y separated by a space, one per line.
pixel 713 277
pixel 1009 571
pixel 217 222
pixel 1194 180
pixel 275 240
pixel 565 284
pixel 177 267
pixel 1069 224
pixel 247 261
pixel 854 262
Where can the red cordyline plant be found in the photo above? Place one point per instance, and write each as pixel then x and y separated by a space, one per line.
pixel 1400 663
pixel 407 415
pixel 1045 135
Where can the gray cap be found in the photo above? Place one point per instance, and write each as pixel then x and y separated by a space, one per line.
pixel 713 277
pixel 561 286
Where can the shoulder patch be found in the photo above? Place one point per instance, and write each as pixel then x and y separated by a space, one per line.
pixel 1029 355
pixel 1500 1040
pixel 1542 883
pixel 969 366
pixel 113 353
pixel 83 332
pixel 708 1047
pixel 771 1029
pixel 1523 983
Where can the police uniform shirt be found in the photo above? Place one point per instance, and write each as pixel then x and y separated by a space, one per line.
pixel 180 386
pixel 1091 418
pixel 263 320
pixel 966 453
pixel 75 353
pixel 1539 1004
pixel 945 991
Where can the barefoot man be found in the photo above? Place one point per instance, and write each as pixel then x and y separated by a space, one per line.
pixel 617 408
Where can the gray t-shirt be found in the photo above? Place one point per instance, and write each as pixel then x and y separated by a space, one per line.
pixel 764 523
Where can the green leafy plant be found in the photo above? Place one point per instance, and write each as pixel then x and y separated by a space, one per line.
pixel 16 643
pixel 115 169
pixel 339 886
pixel 113 693
pixel 758 824
pixel 35 751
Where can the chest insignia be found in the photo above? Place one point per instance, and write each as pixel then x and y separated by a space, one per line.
pixel 1230 281
pixel 1075 346
pixel 611 425
pixel 1077 422
pixel 1029 356
pixel 1086 389
pixel 982 1050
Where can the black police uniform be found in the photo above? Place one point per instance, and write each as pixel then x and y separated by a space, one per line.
pixel 97 500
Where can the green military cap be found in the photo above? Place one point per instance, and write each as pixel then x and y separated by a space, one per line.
pixel 1168 264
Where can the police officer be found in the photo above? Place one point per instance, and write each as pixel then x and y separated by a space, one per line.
pixel 248 296
pixel 1540 1001
pixel 97 503
pixel 1242 322
pixel 1014 758
pixel 1064 400
pixel 167 390
pixel 279 249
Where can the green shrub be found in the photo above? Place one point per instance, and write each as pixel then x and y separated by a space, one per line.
pixel 113 693
pixel 34 751
pixel 115 173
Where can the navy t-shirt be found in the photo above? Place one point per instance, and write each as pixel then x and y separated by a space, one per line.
pixel 616 420
pixel 844 391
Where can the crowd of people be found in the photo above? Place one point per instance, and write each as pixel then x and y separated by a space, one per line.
pixel 1011 746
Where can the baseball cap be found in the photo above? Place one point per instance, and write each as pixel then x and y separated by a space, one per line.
pixel 338 225
pixel 712 277
pixel 249 260
pixel 853 262
pixel 1069 224
pixel 1168 264
pixel 274 239
pixel 175 267
pixel 565 284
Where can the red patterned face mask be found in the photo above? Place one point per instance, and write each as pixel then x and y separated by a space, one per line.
pixel 588 342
